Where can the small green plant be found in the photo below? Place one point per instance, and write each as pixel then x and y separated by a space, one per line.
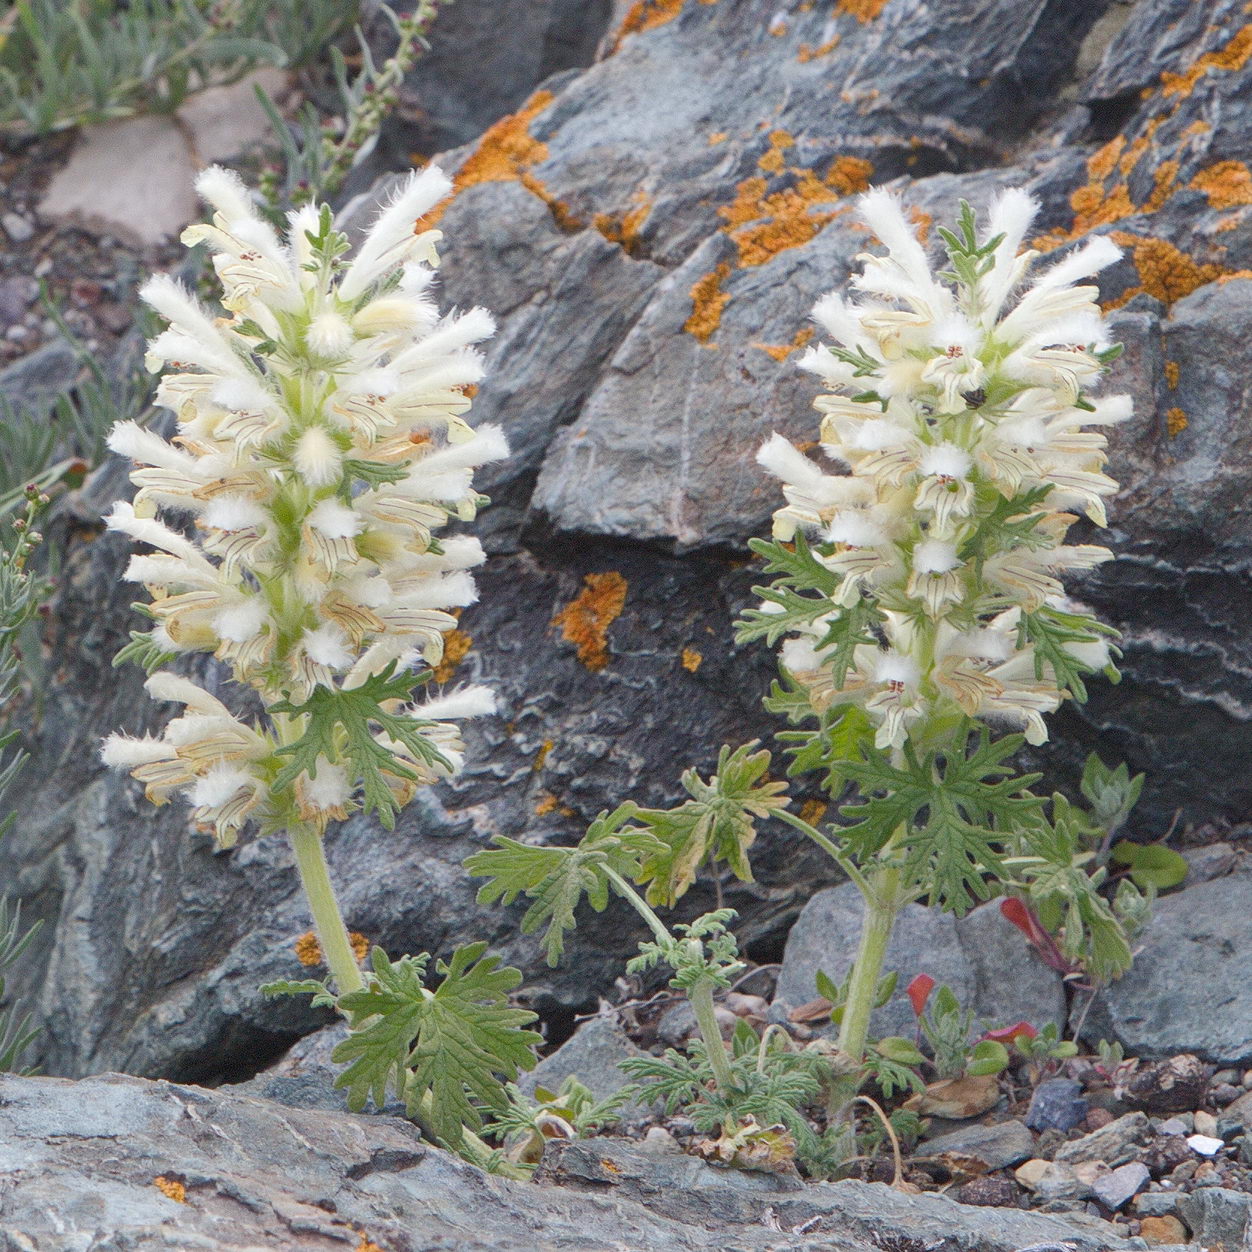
pixel 68 62
pixel 567 1113
pixel 321 450
pixel 21 593
pixel 917 595
pixel 317 155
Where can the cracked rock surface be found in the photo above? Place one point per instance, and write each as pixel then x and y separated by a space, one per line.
pixel 650 233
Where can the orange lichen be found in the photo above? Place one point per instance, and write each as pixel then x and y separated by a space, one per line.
pixel 624 230
pixel 1165 272
pixel 359 944
pixel 585 621
pixel 809 53
pixel 541 756
pixel 308 950
pixel 367 1244
pixel 1228 184
pixel 862 10
pixel 849 175
pixel 781 351
pixel 1171 375
pixel 456 643
pixel 171 1188
pixel 645 15
pixel 1163 186
pixel 562 214
pixel 812 811
pixel 718 136
pixel 691 660
pixel 923 221
pixel 707 302
pixel 504 153
pixel 1175 421
pixel 1233 55
pixel 547 804
pixel 774 160
pixel 1101 163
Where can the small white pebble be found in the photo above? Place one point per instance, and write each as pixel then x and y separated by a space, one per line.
pixel 1205 1145
pixel 1247 1078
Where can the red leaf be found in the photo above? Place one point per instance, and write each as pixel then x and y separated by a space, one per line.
pixel 918 992
pixel 1006 1034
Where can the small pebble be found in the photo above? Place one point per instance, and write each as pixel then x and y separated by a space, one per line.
pixel 16 227
pixel 1097 1118
pixel 1224 1093
pixel 1247 1079
pixel 1205 1124
pixel 1226 1075
pixel 1205 1145
pixel 1176 1126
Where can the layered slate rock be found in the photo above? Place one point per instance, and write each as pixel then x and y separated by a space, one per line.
pixel 120 1162
pixel 650 234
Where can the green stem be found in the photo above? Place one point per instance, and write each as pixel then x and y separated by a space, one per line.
pixel 332 934
pixel 640 905
pixel 828 846
pixel 881 906
pixel 701 996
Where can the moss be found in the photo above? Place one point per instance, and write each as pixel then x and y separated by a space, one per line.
pixel 456 643
pixel 1228 184
pixel 707 302
pixel 171 1188
pixel 585 621
pixel 691 660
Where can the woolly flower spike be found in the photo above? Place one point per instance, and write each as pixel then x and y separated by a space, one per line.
pixel 321 446
pixel 955 424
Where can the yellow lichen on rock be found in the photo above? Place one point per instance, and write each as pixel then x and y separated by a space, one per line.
pixel 585 621
pixel 1228 184
pixel 645 15
pixel 1171 375
pixel 707 302
pixel 781 351
pixel 862 10
pixel 1165 272
pixel 1175 421
pixel 308 950
pixel 809 53
pixel 691 660
pixel 171 1188
pixel 456 643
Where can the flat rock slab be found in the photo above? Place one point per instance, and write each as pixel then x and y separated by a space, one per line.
pixel 981 957
pixel 1188 990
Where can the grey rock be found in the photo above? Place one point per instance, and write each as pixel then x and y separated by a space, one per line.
pixel 32 383
pixel 1195 946
pixel 80 1160
pixel 17 227
pixel 1214 861
pixel 1060 1188
pixel 1218 1215
pixel 686 1188
pixel 1156 1203
pixel 1119 1187
pixel 981 957
pixel 998 1145
pixel 1114 1144
pixel 1056 1104
pixel 592 1054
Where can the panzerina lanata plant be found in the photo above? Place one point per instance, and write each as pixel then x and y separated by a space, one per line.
pixel 321 448
pixel 920 604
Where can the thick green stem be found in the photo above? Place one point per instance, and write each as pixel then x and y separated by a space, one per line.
pixel 332 934
pixel 881 907
pixel 701 996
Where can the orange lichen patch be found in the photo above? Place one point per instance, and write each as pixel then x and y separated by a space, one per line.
pixel 809 53
pixel 777 28
pixel 1093 206
pixel 504 153
pixel 774 161
pixel 1171 375
pixel 1165 272
pixel 367 1244
pixel 645 15
pixel 456 643
pixel 781 351
pixel 585 621
pixel 1228 184
pixel 849 175
pixel 923 221
pixel 541 756
pixel 1163 185
pixel 624 230
pixel 1228 223
pixel 718 136
pixel 707 302
pixel 691 660
pixel 359 944
pixel 562 214
pixel 1198 127
pixel 1175 421
pixel 1102 162
pixel 547 804
pixel 171 1188
pixel 308 950
pixel 1233 55
pixel 862 10
pixel 812 811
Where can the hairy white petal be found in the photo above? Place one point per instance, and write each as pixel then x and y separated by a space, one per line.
pixel 467 702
